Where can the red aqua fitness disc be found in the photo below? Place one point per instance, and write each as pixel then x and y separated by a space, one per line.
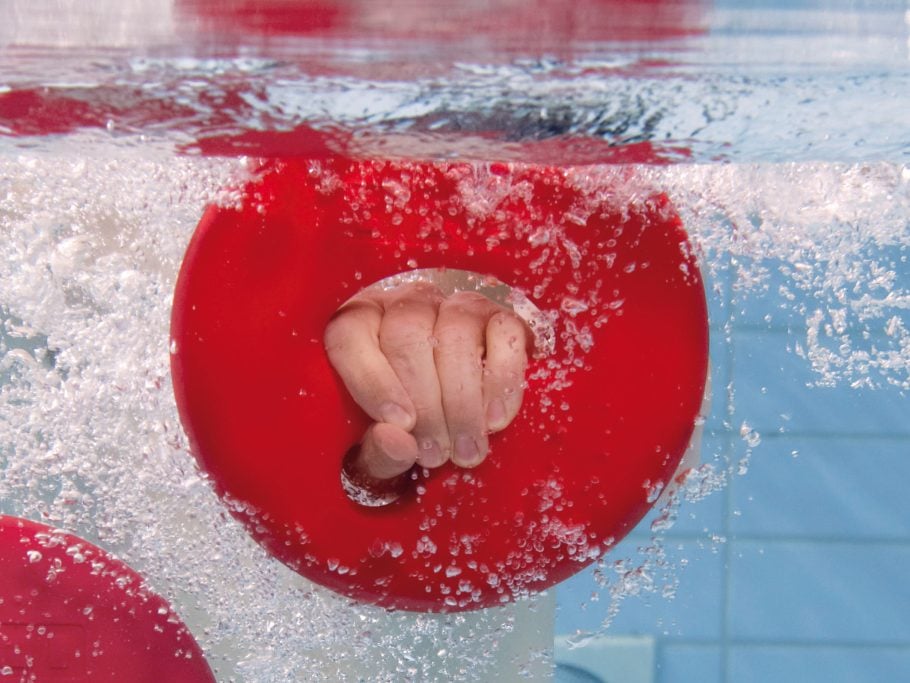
pixel 605 420
pixel 71 613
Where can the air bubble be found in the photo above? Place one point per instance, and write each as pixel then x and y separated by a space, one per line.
pixel 85 389
pixel 572 306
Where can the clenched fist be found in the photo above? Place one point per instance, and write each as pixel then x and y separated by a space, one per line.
pixel 437 373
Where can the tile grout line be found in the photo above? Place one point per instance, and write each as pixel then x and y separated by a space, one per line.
pixel 726 527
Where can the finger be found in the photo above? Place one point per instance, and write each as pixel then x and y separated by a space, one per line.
pixel 352 345
pixel 505 362
pixel 377 472
pixel 406 339
pixel 460 328
pixel 385 453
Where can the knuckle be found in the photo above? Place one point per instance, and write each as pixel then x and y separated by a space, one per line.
pixel 507 320
pixel 460 349
pixel 337 334
pixel 451 336
pixel 403 338
pixel 352 316
pixel 464 302
pixel 509 324
pixel 511 349
pixel 410 315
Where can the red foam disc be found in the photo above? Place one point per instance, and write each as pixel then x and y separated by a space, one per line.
pixel 70 612
pixel 605 420
pixel 524 26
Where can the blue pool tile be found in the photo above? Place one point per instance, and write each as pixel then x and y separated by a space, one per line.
pixel 789 664
pixel 833 488
pixel 695 612
pixel 819 592
pixel 771 394
pixel 682 662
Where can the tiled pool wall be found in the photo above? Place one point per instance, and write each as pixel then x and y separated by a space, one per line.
pixel 797 569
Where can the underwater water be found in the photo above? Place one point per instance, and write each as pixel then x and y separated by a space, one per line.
pixel 781 136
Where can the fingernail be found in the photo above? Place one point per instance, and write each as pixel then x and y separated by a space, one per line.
pixel 466 451
pixel 496 415
pixel 431 454
pixel 396 415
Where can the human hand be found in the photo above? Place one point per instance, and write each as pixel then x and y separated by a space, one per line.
pixel 436 373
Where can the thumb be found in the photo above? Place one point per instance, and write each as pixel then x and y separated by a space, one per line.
pixel 378 469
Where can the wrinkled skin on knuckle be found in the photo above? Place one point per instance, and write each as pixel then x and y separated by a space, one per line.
pixel 459 347
pixel 409 319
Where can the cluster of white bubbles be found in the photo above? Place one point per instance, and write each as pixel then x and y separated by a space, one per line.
pixel 93 233
pixel 91 440
pixel 822 249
